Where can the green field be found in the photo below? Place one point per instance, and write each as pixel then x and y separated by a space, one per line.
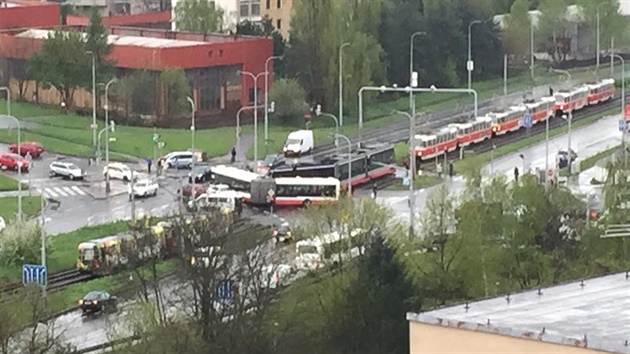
pixel 71 133
pixel 9 184
pixel 9 206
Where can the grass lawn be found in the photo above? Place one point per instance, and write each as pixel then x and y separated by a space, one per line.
pixel 419 182
pixel 8 183
pixel 591 161
pixel 484 158
pixel 70 133
pixel 9 206
pixel 63 248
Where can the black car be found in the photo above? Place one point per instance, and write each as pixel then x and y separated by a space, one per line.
pixel 202 174
pixel 98 302
pixel 563 158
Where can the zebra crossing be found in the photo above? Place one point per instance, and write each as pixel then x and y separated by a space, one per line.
pixel 61 192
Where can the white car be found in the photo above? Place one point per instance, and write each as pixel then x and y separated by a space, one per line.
pixel 119 171
pixel 144 188
pixel 66 169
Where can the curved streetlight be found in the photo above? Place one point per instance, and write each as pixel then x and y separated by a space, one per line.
pixel 108 187
pixel 192 130
pixel 255 78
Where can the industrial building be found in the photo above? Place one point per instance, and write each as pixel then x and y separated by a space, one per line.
pixel 590 316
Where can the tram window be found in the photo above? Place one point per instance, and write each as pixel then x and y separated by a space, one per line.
pixel 385 157
pixel 358 167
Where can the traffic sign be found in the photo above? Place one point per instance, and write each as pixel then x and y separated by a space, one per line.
pixel 470 65
pixel 34 274
pixel 270 192
pixel 527 121
pixel 155 137
pixel 225 290
pixel 623 125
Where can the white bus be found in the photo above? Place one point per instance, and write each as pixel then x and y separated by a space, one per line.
pixel 237 179
pixel 297 191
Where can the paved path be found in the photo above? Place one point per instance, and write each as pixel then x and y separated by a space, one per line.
pixel 242 147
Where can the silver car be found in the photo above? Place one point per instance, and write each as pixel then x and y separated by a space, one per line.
pixel 66 170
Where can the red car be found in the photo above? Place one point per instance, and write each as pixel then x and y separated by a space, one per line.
pixel 34 148
pixel 192 190
pixel 10 161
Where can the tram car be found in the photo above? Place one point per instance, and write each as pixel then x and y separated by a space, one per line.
pixel 570 101
pixel 508 120
pixel 473 132
pixel 443 141
pixel 601 91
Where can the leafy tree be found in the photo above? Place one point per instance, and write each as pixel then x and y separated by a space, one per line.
pixel 290 101
pixel 199 16
pixel 370 317
pixel 265 28
pixel 134 93
pixel 21 243
pixel 553 29
pixel 177 89
pixel 516 36
pixel 96 42
pixel 61 64
pixel 612 24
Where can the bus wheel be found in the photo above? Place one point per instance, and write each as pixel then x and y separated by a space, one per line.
pixel 307 203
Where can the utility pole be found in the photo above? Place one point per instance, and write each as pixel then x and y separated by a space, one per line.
pixel 341 83
pixel 470 65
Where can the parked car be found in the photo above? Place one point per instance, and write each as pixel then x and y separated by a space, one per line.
pixel 192 190
pixel 202 174
pixel 98 302
pixel 178 159
pixel 66 170
pixel 143 188
pixel 563 157
pixel 31 147
pixel 117 170
pixel 11 161
pixel 267 164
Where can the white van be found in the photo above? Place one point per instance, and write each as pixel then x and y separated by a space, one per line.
pixel 298 143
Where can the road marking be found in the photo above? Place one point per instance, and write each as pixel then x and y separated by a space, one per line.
pixel 68 190
pixel 49 193
pixel 78 190
pixel 60 191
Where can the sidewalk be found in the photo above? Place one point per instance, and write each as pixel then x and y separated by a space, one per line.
pixel 242 147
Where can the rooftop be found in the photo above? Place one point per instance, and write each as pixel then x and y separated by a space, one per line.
pixel 594 314
pixel 148 42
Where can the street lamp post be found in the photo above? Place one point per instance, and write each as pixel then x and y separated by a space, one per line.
pixel 267 96
pixel 336 124
pixel 94 126
pixel 19 166
pixel 192 130
pixel 238 123
pixel 531 46
pixel 413 82
pixel 623 102
pixel 412 124
pixel 341 82
pixel 255 78
pixel 108 187
pixel 4 88
pixel 469 64
pixel 349 161
pixel 570 118
pixel 598 48
pixel 408 89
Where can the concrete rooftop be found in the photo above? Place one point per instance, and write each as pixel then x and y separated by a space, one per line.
pixel 594 314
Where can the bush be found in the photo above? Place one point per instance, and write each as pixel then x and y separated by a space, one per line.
pixel 20 243
pixel 290 101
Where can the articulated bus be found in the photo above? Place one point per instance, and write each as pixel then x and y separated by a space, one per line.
pixel 366 165
pixel 237 179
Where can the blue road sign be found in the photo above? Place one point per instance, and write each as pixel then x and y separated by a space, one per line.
pixel 527 121
pixel 34 274
pixel 225 290
pixel 623 125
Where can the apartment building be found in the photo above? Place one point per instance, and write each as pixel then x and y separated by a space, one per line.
pixel 279 11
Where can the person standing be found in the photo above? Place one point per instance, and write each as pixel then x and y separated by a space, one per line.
pixel 516 174
pixel 374 190
pixel 149 164
pixel 233 153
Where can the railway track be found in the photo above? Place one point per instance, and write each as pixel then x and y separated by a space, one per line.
pixel 513 137
pixel 56 281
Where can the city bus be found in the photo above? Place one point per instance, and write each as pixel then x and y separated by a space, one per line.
pixel 238 179
pixel 295 191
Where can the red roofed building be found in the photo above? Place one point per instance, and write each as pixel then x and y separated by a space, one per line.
pixel 210 61
pixel 27 14
pixel 146 19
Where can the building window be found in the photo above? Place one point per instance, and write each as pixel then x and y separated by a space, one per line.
pixel 278 3
pixel 256 9
pixel 244 10
pixel 279 24
pixel 268 4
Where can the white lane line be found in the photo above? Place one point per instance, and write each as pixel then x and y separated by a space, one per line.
pixel 50 193
pixel 68 190
pixel 60 191
pixel 78 190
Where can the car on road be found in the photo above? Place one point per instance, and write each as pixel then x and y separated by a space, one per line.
pixel 267 164
pixel 282 233
pixel 117 170
pixel 66 170
pixel 178 159
pixel 191 190
pixel 143 188
pixel 563 157
pixel 11 161
pixel 98 302
pixel 28 147
pixel 202 174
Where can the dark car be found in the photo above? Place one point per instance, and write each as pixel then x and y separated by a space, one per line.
pixel 191 190
pixel 282 233
pixel 98 302
pixel 267 164
pixel 201 173
pixel 563 158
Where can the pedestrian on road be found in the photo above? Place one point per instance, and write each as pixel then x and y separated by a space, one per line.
pixel 374 190
pixel 149 163
pixel 233 153
pixel 516 174
pixel 239 206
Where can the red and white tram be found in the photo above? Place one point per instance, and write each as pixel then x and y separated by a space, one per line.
pixel 473 132
pixel 509 120
pixel 541 110
pixel 569 101
pixel 430 146
pixel 601 91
